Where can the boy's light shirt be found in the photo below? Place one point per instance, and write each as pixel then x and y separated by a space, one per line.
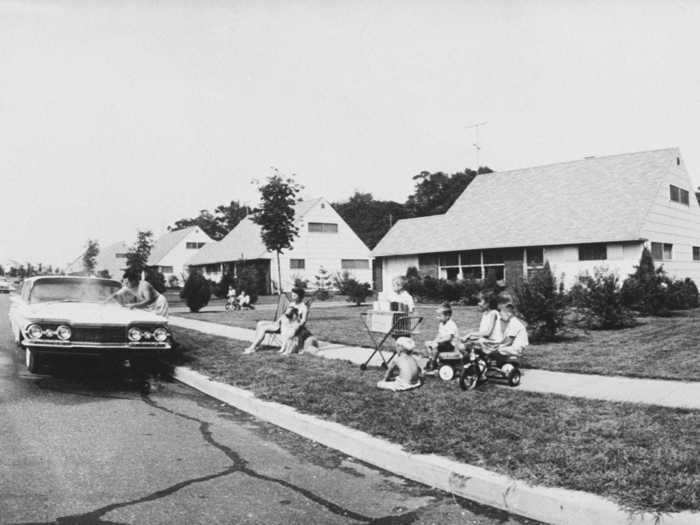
pixel 447 331
pixel 486 319
pixel 518 332
pixel 402 297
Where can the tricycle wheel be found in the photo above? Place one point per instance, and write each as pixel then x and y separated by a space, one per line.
pixel 446 373
pixel 469 377
pixel 514 377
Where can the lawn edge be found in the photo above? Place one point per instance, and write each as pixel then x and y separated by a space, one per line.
pixel 551 505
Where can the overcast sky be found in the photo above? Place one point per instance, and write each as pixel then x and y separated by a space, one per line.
pixel 114 119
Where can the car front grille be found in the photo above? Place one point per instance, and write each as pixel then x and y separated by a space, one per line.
pixel 99 334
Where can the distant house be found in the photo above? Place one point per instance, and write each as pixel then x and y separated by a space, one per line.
pixel 110 261
pixel 599 211
pixel 172 250
pixel 324 241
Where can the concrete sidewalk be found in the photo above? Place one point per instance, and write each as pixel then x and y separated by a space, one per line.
pixel 676 394
pixel 269 307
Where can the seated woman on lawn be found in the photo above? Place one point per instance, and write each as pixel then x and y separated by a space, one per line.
pixel 490 331
pixel 297 320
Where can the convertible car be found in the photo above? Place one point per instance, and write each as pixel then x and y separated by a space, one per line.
pixel 61 316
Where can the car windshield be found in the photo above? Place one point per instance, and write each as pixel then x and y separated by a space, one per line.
pixel 84 291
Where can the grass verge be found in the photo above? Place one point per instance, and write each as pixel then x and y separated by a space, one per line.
pixel 663 348
pixel 645 458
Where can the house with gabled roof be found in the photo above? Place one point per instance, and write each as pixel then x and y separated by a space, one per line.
pixel 172 250
pixel 578 215
pixel 110 261
pixel 325 242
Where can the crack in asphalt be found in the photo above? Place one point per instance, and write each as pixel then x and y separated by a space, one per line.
pixel 239 465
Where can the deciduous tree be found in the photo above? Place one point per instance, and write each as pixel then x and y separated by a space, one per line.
pixel 92 250
pixel 275 215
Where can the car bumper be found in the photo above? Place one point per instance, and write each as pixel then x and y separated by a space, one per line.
pixel 120 350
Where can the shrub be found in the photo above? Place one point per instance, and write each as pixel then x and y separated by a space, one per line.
pixel 221 289
pixel 196 292
pixel 322 283
pixel 429 288
pixel 357 292
pixel 541 304
pixel 683 294
pixel 248 279
pixel 646 290
pixel 598 300
pixel 156 279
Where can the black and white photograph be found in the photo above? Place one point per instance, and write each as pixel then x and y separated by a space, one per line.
pixel 349 262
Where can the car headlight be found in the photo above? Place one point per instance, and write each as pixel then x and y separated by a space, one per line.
pixel 35 331
pixel 134 334
pixel 160 334
pixel 63 332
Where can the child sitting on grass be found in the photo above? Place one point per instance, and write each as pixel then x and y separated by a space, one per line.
pixel 447 338
pixel 408 376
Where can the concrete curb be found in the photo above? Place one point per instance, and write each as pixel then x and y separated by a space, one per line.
pixel 550 505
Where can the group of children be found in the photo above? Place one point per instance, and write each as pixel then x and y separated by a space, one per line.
pixel 501 336
pixel 237 302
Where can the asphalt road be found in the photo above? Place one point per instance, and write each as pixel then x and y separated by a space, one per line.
pixel 81 445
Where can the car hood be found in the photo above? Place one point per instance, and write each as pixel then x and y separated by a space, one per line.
pixel 91 313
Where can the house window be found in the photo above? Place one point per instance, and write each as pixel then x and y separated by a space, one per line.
pixel 535 257
pixel 166 269
pixel 120 255
pixel 193 245
pixel 685 197
pixel 471 264
pixel 475 264
pixel 212 268
pixel 354 264
pixel 323 227
pixel 592 252
pixel 297 264
pixel 662 251
pixel 679 195
pixel 696 253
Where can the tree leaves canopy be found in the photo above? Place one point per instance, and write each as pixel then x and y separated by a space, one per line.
pixel 276 213
pixel 92 250
pixel 138 254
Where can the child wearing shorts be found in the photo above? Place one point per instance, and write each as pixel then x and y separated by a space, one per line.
pixel 408 371
pixel 447 338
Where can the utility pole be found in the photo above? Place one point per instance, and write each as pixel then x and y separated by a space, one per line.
pixel 476 144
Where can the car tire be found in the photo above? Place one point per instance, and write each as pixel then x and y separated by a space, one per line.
pixel 32 360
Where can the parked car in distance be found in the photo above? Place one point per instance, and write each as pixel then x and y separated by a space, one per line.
pixel 61 316
pixel 5 285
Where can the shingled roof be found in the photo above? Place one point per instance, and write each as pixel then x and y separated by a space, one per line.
pixel 243 242
pixel 597 199
pixel 166 242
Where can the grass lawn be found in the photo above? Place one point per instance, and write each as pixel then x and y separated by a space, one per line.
pixel 663 348
pixel 645 458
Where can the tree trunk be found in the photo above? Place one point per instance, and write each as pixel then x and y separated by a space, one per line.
pixel 279 275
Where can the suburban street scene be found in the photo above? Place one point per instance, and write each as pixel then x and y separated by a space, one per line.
pixel 352 262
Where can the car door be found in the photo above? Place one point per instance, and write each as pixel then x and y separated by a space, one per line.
pixel 17 311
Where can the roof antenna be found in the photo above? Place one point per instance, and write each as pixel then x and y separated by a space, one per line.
pixel 476 144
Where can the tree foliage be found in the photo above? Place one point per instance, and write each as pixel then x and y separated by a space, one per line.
pixel 138 254
pixel 434 193
pixel 370 219
pixel 598 300
pixel 92 250
pixel 541 303
pixel 276 214
pixel 196 291
pixel 215 224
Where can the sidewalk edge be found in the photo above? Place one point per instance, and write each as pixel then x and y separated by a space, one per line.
pixel 550 505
